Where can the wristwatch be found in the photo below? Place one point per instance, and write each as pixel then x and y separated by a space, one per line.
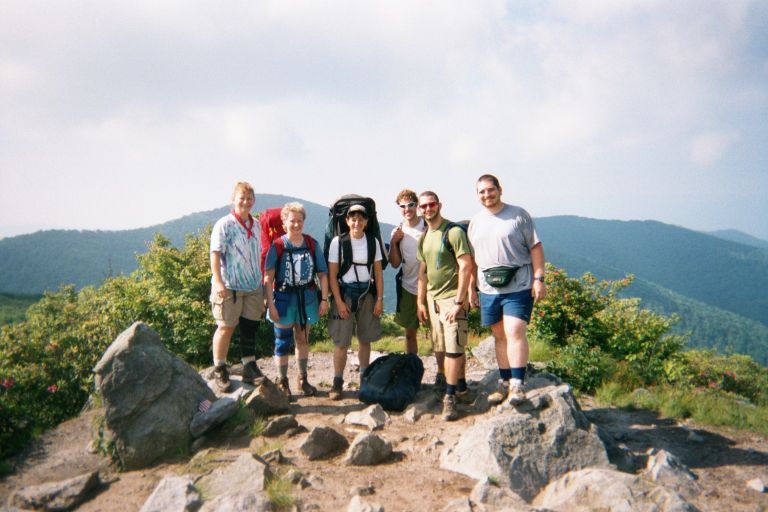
pixel 458 302
pixel 539 278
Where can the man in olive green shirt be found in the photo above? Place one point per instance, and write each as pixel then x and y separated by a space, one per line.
pixel 444 276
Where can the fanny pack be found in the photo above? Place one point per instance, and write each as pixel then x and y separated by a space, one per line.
pixel 499 277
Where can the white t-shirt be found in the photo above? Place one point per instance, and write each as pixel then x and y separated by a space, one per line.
pixel 359 255
pixel 408 248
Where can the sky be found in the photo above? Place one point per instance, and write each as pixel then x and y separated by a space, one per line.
pixel 117 115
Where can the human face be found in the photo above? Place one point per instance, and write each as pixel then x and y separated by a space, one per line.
pixel 488 194
pixel 294 224
pixel 407 208
pixel 243 202
pixel 356 223
pixel 429 207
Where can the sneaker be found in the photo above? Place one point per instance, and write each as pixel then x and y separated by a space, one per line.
pixel 449 408
pixel 251 372
pixel 440 383
pixel 285 388
pixel 465 397
pixel 336 391
pixel 500 394
pixel 221 379
pixel 304 387
pixel 516 394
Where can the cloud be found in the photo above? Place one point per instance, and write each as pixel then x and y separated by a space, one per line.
pixel 708 148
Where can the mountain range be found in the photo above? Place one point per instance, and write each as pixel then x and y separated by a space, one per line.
pixel 716 282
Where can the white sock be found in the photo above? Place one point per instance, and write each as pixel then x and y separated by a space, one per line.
pixel 219 362
pixel 516 382
pixel 248 359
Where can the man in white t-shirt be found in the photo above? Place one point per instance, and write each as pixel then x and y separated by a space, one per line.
pixel 358 297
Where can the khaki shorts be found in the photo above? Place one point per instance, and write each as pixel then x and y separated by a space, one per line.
pixel 362 322
pixel 407 317
pixel 227 311
pixel 446 337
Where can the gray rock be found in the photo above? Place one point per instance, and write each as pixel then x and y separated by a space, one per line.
pixel 64 495
pixel 367 450
pixel 246 475
pixel 609 490
pixel 413 412
pixel 357 504
pixel 173 494
pixel 322 442
pixel 150 397
pixel 756 484
pixel 459 505
pixel 238 502
pixel 221 410
pixel 373 417
pixel 666 469
pixel 280 425
pixel 485 353
pixel 497 498
pixel 266 399
pixel 530 446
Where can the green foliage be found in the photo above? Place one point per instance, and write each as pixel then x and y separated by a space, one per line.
pixel 736 374
pixel 13 307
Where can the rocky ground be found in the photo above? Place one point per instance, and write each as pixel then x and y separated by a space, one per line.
pixel 411 479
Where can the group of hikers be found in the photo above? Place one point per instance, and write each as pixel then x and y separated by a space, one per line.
pixel 495 263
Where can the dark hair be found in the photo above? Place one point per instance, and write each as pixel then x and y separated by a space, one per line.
pixel 490 177
pixel 429 193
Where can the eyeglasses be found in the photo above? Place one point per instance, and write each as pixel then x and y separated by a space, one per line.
pixel 407 205
pixel 432 204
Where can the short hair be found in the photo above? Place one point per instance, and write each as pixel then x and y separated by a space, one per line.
pixel 243 186
pixel 429 193
pixel 490 177
pixel 293 207
pixel 408 194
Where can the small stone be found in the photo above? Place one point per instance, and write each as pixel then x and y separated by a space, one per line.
pixel 756 484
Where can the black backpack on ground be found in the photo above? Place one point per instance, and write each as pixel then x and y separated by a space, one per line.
pixel 392 381
pixel 337 226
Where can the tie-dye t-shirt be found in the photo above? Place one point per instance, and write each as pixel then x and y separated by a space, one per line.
pixel 240 254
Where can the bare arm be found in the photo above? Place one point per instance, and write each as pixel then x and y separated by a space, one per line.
pixel 378 309
pixel 539 290
pixel 218 283
pixel 269 280
pixel 395 258
pixel 421 305
pixel 333 272
pixel 465 276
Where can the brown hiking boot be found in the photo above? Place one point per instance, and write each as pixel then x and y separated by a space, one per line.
pixel 516 394
pixel 251 372
pixel 500 394
pixel 336 392
pixel 285 388
pixel 304 387
pixel 221 379
pixel 449 408
pixel 465 397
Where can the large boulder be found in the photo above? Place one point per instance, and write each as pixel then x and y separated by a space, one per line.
pixel 150 396
pixel 64 495
pixel 529 446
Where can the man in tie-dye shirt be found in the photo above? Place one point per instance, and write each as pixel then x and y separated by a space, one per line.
pixel 237 295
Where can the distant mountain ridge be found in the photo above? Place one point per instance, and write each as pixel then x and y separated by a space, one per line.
pixel 734 235
pixel 718 286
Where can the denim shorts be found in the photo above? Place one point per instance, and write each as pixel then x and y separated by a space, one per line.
pixel 494 306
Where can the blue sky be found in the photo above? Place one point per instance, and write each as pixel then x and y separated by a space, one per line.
pixel 118 115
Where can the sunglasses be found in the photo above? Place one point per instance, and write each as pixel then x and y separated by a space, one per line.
pixel 432 204
pixel 407 205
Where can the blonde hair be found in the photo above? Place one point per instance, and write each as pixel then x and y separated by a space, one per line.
pixel 408 194
pixel 293 207
pixel 243 186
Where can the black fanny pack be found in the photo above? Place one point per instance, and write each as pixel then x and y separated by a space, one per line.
pixel 499 277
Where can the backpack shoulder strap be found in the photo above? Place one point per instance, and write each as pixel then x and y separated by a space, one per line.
pixel 345 253
pixel 371 241
pixel 279 248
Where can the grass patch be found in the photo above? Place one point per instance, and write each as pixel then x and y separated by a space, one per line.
pixel 265 447
pixel 279 493
pixel 243 416
pixel 258 426
pixel 703 406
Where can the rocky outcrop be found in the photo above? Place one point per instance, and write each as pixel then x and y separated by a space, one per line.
pixel 173 494
pixel 528 447
pixel 150 396
pixel 64 495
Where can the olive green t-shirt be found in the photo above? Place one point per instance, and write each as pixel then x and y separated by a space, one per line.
pixel 442 269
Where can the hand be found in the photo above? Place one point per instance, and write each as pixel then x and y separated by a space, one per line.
pixel 474 298
pixel 274 315
pixel 451 315
pixel 323 307
pixel 539 291
pixel 378 309
pixel 219 289
pixel 342 310
pixel 397 235
pixel 421 313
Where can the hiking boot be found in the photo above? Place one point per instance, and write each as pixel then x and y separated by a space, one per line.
pixel 221 379
pixel 336 391
pixel 516 394
pixel 440 383
pixel 304 387
pixel 500 394
pixel 285 388
pixel 465 397
pixel 449 408
pixel 251 372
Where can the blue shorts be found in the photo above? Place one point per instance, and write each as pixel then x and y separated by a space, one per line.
pixel 287 304
pixel 494 306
